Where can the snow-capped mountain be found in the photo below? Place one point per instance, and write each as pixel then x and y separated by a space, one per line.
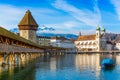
pixel 70 36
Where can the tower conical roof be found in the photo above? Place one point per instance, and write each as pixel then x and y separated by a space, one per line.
pixel 28 20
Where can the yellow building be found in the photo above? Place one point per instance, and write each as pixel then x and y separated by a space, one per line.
pixel 28 27
pixel 43 40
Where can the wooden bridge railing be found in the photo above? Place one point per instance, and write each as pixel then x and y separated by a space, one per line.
pixel 14 48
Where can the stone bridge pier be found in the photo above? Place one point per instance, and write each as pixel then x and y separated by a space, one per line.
pixel 17 58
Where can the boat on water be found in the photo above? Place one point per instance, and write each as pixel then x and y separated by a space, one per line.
pixel 108 62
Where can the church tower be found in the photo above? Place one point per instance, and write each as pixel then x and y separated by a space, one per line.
pixel 98 35
pixel 80 34
pixel 103 39
pixel 28 27
pixel 103 32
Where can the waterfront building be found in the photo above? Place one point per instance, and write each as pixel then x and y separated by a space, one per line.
pixel 28 27
pixel 117 46
pixel 43 40
pixel 95 42
pixel 58 41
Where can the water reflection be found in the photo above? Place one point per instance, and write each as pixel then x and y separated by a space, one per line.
pixel 10 72
pixel 72 67
pixel 87 61
pixel 66 67
pixel 118 59
pixel 53 64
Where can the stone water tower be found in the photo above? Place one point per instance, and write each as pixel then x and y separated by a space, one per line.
pixel 28 27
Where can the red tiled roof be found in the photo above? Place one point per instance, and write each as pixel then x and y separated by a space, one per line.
pixel 86 37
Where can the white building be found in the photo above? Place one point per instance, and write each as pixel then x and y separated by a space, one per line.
pixel 43 40
pixel 95 42
pixel 58 41
pixel 117 46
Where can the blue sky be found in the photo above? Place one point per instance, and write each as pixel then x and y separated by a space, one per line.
pixel 66 16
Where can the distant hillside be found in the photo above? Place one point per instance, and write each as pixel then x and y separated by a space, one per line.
pixel 70 36
pixel 112 37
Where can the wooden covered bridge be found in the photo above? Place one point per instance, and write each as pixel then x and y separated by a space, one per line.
pixel 15 49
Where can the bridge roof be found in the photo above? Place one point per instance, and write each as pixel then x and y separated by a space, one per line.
pixel 8 34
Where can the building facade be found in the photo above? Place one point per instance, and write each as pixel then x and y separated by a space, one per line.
pixel 58 41
pixel 43 40
pixel 96 42
pixel 117 46
pixel 28 27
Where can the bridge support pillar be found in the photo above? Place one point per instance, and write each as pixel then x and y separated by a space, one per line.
pixel 10 60
pixel 1 59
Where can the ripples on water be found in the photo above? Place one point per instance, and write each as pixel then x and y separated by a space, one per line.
pixel 70 67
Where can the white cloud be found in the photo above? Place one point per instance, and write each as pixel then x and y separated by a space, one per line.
pixel 66 25
pixel 86 16
pixel 87 32
pixel 62 27
pixel 10 15
pixel 70 24
pixel 69 27
pixel 116 4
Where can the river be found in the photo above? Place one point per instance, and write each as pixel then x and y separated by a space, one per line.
pixel 63 67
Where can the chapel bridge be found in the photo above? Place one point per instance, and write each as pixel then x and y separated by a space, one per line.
pixel 15 49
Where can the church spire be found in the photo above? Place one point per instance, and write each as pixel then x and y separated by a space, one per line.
pixel 80 34
pixel 103 29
